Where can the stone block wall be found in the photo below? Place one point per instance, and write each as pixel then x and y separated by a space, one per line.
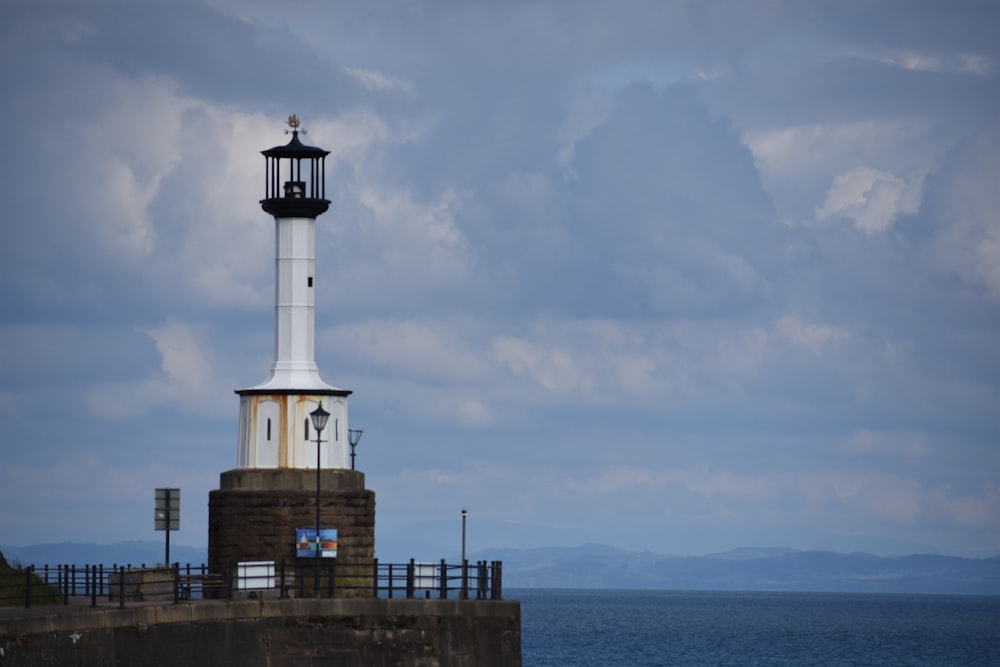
pixel 272 633
pixel 254 514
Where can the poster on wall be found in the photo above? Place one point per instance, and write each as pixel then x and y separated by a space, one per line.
pixel 306 544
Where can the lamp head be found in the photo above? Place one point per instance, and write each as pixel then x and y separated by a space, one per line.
pixel 319 417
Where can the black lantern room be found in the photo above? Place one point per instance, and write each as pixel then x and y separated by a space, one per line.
pixel 295 176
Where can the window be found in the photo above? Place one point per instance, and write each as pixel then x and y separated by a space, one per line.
pixel 268 429
pixel 310 281
pixel 307 428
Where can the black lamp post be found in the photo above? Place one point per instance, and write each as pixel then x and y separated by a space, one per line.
pixel 353 438
pixel 318 417
pixel 464 515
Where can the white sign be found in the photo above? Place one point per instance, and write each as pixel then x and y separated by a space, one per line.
pixel 255 575
pixel 425 575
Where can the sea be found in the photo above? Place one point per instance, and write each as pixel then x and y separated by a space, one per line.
pixel 578 628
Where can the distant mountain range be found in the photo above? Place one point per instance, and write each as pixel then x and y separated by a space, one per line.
pixel 602 566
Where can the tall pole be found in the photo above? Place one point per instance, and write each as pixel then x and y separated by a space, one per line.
pixel 319 432
pixel 166 549
pixel 464 514
pixel 318 418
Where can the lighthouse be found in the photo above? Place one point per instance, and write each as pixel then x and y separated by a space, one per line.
pixel 274 416
pixel 292 484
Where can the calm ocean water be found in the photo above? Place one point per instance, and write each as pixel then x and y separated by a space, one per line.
pixel 576 628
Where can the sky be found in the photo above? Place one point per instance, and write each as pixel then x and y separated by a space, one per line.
pixel 677 276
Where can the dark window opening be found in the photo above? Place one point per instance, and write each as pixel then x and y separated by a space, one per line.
pixel 310 281
pixel 268 428
pixel 307 428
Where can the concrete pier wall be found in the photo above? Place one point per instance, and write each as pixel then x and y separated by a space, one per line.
pixel 268 633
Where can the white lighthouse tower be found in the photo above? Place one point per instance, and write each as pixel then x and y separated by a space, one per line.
pixel 274 416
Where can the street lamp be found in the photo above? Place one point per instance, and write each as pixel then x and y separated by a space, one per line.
pixel 353 438
pixel 318 417
pixel 464 515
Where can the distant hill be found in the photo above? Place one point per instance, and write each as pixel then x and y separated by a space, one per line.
pixel 603 566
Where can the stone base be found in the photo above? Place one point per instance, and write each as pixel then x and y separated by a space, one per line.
pixel 254 514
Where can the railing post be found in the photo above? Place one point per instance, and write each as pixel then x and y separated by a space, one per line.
pixel 492 580
pixel 66 584
pixel 331 573
pixel 27 585
pixel 497 580
pixel 283 587
pixel 465 580
pixel 375 577
pixel 443 584
pixel 177 582
pixel 232 574
pixel 121 587
pixel 93 586
pixel 409 579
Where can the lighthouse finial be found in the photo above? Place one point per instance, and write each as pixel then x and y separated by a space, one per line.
pixel 295 124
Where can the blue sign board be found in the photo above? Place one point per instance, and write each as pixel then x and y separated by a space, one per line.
pixel 306 543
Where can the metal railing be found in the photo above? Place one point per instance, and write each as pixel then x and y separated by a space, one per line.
pixel 98 585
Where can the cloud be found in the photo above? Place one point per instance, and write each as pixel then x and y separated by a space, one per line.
pixel 960 213
pixel 873 199
pixel 977 64
pixel 910 446
pixel 848 501
pixel 609 362
pixel 419 348
pixel 785 152
pixel 186 380
pixel 378 81
pixel 554 367
pixel 405 247
pixel 969 510
pixel 813 337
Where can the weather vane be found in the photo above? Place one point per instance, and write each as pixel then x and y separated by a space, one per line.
pixel 295 124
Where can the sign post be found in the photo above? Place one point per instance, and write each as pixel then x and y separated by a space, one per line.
pixel 167 515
